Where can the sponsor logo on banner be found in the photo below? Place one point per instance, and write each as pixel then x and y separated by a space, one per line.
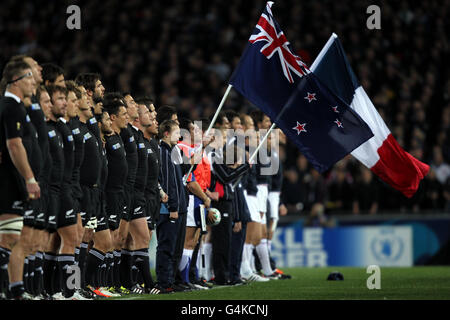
pixel 343 246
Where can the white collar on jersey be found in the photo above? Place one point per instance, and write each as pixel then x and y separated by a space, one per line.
pixel 12 95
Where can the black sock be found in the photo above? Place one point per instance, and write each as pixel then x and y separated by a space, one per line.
pixel 48 268
pixel 136 276
pixel 30 285
pixel 38 280
pixel 103 274
pixel 116 259
pixel 16 289
pixel 94 261
pixel 66 261
pixel 109 278
pixel 4 260
pixel 126 262
pixel 142 262
pixel 25 275
pixel 77 255
pixel 82 260
pixel 56 277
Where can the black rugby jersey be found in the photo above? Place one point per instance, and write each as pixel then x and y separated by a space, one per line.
pixel 142 168
pixel 131 154
pixel 56 147
pixel 78 139
pixel 117 163
pixel 69 152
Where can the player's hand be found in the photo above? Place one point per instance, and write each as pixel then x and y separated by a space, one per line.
pixel 173 215
pixel 237 227
pixel 210 217
pixel 283 210
pixel 33 189
pixel 207 140
pixel 207 202
pixel 164 196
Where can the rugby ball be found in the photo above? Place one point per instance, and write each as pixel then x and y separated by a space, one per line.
pixel 215 215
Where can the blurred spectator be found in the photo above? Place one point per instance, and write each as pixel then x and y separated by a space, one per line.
pixel 442 169
pixel 339 190
pixel 433 197
pixel 366 193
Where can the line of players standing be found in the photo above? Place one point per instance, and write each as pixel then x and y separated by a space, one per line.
pixel 101 179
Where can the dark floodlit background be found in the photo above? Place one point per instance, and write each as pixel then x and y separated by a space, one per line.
pixel 183 52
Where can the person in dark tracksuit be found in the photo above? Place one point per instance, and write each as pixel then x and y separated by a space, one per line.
pixel 168 224
pixel 224 176
pixel 242 216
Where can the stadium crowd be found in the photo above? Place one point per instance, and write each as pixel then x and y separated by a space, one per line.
pixel 183 53
pixel 127 65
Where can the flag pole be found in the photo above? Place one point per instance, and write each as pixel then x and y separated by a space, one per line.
pixel 252 157
pixel 213 121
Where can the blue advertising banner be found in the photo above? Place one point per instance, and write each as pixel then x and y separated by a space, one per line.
pixel 357 246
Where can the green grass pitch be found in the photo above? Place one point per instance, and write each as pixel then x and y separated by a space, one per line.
pixel 413 283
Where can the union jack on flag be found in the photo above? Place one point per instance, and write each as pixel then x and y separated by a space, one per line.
pixel 270 32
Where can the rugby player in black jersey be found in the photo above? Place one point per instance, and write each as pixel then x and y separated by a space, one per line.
pixel 18 181
pixel 124 240
pixel 66 220
pixel 117 172
pixel 138 221
pixel 35 214
pixel 91 204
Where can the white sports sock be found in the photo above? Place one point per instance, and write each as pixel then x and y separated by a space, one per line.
pixel 207 250
pixel 263 255
pixel 246 270
pixel 251 257
pixel 269 245
pixel 185 258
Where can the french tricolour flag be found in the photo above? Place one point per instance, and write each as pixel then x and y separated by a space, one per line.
pixel 381 154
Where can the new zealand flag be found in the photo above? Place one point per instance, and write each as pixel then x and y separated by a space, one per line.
pixel 269 75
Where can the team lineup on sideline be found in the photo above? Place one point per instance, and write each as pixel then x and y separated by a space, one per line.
pixel 97 173
pixel 137 194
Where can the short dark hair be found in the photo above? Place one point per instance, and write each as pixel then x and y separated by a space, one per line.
pixel 165 113
pixel 205 123
pixel 87 80
pixel 146 100
pixel 220 116
pixel 257 116
pixel 111 96
pixel 72 86
pixel 113 106
pixel 51 89
pixel 51 71
pixel 231 114
pixel 166 126
pixel 12 69
pixel 184 123
pixel 41 89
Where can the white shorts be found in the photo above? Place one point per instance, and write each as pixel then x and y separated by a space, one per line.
pixel 274 202
pixel 262 197
pixel 252 204
pixel 190 219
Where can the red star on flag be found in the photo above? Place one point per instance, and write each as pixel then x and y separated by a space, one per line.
pixel 300 127
pixel 335 109
pixel 310 97
pixel 339 124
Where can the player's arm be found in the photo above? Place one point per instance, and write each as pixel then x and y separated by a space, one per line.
pixel 19 158
pixel 197 191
